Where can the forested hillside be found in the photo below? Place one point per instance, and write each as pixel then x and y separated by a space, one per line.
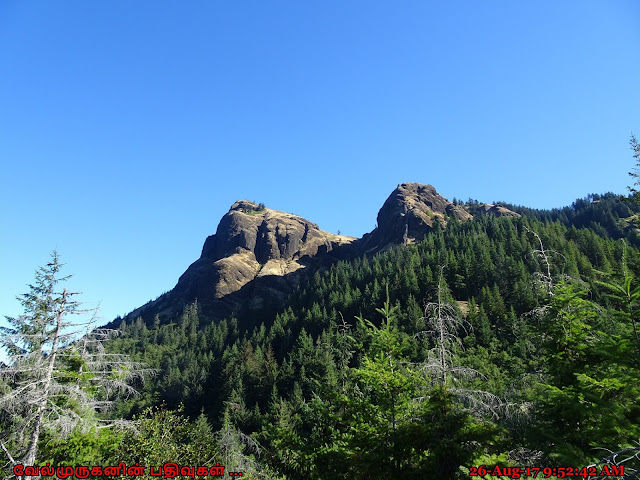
pixel 605 214
pixel 552 361
pixel 509 341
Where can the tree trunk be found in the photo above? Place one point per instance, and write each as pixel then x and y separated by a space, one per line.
pixel 29 457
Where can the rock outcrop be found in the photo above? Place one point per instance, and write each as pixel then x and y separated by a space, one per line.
pixel 497 210
pixel 258 256
pixel 410 213
pixel 255 259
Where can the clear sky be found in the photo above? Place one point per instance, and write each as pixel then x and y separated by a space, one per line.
pixel 127 129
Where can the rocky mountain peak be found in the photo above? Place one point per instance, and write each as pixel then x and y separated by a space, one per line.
pixel 418 206
pixel 268 234
pixel 408 214
pixel 259 255
pixel 497 210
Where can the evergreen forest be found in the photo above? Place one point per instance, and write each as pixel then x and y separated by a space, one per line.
pixel 499 341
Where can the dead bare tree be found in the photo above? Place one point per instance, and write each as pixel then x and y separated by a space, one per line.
pixel 237 451
pixel 444 326
pixel 53 379
pixel 544 277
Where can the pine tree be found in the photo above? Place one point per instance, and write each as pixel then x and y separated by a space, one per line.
pixel 624 292
pixel 635 174
pixel 382 400
pixel 52 382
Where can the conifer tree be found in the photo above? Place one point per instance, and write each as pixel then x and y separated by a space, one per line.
pixel 635 173
pixel 53 382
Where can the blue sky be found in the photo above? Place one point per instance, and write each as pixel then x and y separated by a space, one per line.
pixel 127 129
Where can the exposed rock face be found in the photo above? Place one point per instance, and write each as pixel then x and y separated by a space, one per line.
pixel 498 210
pixel 258 255
pixel 409 213
pixel 256 258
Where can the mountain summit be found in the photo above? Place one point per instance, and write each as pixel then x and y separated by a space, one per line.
pixel 258 256
pixel 410 212
pixel 255 259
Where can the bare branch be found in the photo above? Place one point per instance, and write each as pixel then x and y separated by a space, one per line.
pixel 4 449
pixel 629 457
